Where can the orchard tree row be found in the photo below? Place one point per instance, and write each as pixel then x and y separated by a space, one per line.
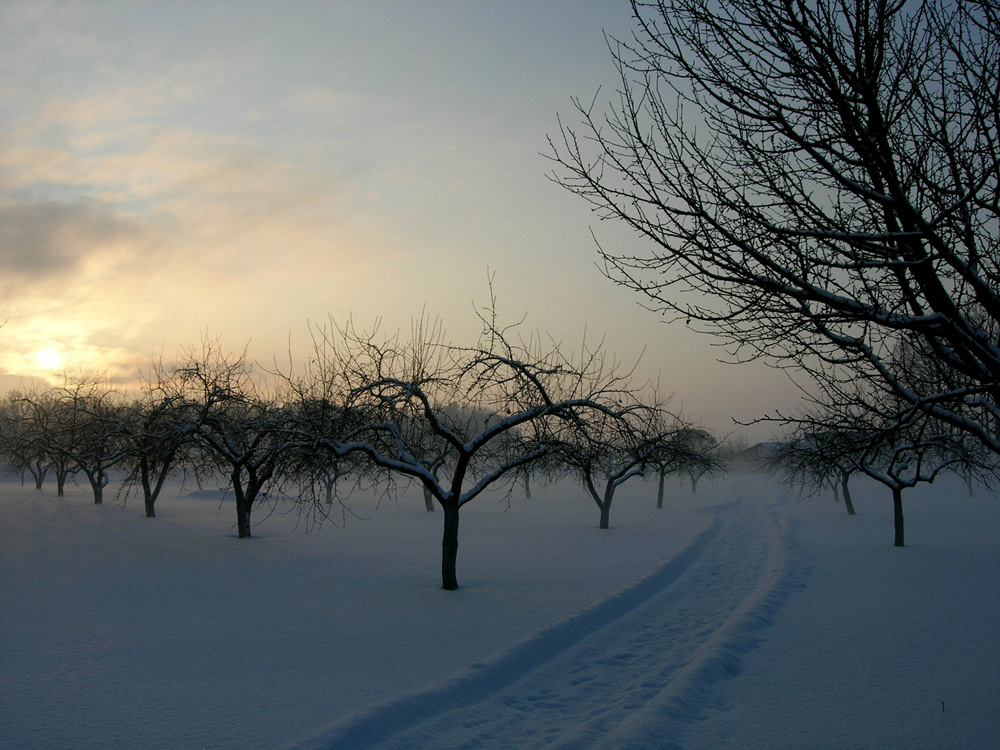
pixel 457 420
pixel 873 436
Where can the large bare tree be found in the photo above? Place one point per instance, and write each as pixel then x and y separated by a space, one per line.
pixel 818 182
pixel 459 420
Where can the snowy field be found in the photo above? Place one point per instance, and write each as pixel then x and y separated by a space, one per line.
pixel 735 618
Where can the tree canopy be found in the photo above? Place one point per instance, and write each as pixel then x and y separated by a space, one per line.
pixel 819 183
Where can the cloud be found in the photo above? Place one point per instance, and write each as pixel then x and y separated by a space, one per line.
pixel 113 247
pixel 49 239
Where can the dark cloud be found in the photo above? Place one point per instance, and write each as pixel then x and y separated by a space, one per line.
pixel 42 240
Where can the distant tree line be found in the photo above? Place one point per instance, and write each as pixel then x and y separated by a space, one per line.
pixel 363 408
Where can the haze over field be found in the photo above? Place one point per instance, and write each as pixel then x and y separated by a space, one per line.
pixel 171 169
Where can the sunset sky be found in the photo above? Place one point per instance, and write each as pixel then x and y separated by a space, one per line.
pixel 170 170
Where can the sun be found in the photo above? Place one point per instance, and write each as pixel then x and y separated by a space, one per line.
pixel 49 359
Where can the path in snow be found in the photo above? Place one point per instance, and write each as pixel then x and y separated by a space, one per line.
pixel 630 671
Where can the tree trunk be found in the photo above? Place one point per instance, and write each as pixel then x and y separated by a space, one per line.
pixel 152 491
pixel 428 501
pixel 246 492
pixel 449 546
pixel 242 517
pixel 244 504
pixel 605 503
pixel 848 501
pixel 609 494
pixel 605 517
pixel 428 496
pixel 38 472
pixel 659 491
pixel 148 498
pixel 97 486
pixel 897 515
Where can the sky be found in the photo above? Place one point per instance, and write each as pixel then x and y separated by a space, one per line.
pixel 171 171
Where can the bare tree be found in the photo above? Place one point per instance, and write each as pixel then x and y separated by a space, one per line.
pixel 41 412
pixel 80 425
pixel 812 458
pixel 897 446
pixel 161 426
pixel 318 473
pixel 606 450
pixel 21 445
pixel 489 410
pixel 326 473
pixel 688 450
pixel 246 431
pixel 907 454
pixel 819 181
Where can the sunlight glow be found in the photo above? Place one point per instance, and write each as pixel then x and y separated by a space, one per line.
pixel 49 359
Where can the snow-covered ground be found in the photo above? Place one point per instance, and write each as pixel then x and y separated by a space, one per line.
pixel 737 617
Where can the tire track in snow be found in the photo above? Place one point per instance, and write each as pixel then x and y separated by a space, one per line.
pixel 629 671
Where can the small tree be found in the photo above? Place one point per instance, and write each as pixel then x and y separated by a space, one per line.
pixel 243 430
pixel 907 455
pixel 606 450
pixel 688 450
pixel 80 425
pixel 812 459
pixel 41 412
pixel 891 442
pixel 160 433
pixel 317 472
pixel 20 443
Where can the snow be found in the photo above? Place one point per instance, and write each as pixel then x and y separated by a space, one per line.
pixel 738 617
